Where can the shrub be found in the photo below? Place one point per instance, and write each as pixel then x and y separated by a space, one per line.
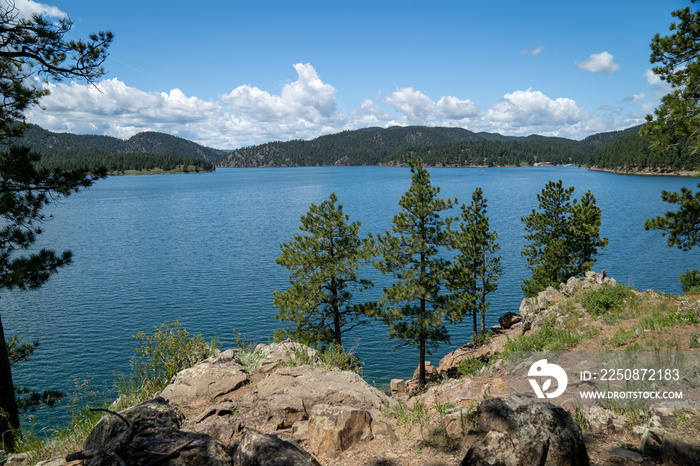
pixel 605 299
pixel 690 281
pixel 166 352
pixel 470 366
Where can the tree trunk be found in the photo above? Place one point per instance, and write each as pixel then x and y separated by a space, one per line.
pixel 421 376
pixel 336 314
pixel 9 416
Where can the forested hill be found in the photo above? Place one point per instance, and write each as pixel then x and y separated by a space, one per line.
pixel 368 146
pixel 49 143
pixel 437 146
pixel 633 153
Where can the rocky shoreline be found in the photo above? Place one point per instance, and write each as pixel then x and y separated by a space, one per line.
pixel 277 412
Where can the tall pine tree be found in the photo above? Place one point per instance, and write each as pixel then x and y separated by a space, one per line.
pixel 564 237
pixel 415 306
pixel 476 268
pixel 323 265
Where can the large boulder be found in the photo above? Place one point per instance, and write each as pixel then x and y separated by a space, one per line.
pixel 334 429
pixel 208 379
pixel 539 433
pixel 292 390
pixel 147 434
pixel 258 449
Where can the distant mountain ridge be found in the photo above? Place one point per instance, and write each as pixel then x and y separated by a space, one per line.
pixel 150 142
pixel 436 145
pixel 625 150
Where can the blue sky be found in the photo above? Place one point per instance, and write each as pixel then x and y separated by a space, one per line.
pixel 229 74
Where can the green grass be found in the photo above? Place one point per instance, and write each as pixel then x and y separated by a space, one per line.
pixel 546 339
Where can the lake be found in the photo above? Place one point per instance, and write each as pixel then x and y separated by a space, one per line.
pixel 202 248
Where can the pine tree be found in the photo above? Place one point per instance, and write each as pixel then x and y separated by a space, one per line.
pixel 415 306
pixel 31 47
pixel 323 266
pixel 683 225
pixel 564 238
pixel 475 269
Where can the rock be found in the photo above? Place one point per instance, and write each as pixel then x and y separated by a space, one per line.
pixel 454 424
pixel 152 435
pixel 603 420
pixel 382 430
pixel 258 449
pixel 17 459
pixel 430 371
pixel 669 448
pixel 398 386
pixel 626 454
pixel 275 355
pixel 528 309
pixel 539 433
pixel 496 329
pixel 334 429
pixel 289 393
pixel 509 319
pixel 156 411
pixel 548 298
pixel 451 360
pixel 208 379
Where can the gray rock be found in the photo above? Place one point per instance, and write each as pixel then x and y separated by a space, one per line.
pixel 258 449
pixel 334 429
pixel 626 454
pixel 509 319
pixel 146 434
pixel 539 433
pixel 207 379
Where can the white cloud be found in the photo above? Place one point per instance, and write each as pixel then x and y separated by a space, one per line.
pixel 600 63
pixel 634 97
pixel 27 8
pixel 535 51
pixel 528 112
pixel 418 107
pixel 307 99
pixel 302 109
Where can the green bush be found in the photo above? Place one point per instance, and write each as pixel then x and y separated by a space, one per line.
pixel 470 366
pixel 166 352
pixel 690 281
pixel 547 338
pixel 605 299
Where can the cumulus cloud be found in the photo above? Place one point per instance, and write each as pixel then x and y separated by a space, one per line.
pixel 535 51
pixel 418 107
pixel 115 109
pixel 307 98
pixel 28 8
pixel 525 112
pixel 302 109
pixel 600 63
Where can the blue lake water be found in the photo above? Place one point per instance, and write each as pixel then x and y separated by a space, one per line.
pixel 202 248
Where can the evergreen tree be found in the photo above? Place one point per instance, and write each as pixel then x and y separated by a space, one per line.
pixel 35 46
pixel 415 306
pixel 677 119
pixel 683 225
pixel 564 238
pixel 475 269
pixel 323 266
pixel 24 191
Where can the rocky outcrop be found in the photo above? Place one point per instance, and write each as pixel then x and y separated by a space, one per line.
pixel 334 429
pixel 539 433
pixel 208 379
pixel 149 433
pixel 536 310
pixel 258 449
